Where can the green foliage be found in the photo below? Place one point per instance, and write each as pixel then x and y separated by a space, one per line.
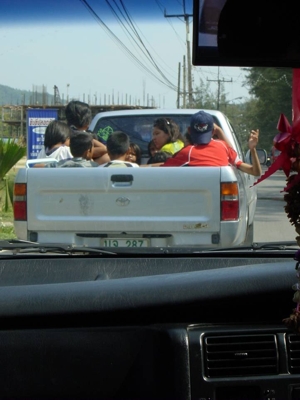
pixel 272 90
pixel 10 153
pixel 7 232
pixel 244 119
pixel 205 98
pixel 10 186
pixel 7 187
pixel 6 216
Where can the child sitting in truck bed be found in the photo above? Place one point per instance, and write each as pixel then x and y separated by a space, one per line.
pixel 118 148
pixel 79 115
pixel 206 151
pixel 56 141
pixel 81 146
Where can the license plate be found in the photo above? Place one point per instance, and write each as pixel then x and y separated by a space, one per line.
pixel 124 242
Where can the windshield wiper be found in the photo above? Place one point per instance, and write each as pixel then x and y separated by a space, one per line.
pixel 15 247
pixel 287 245
pixel 18 247
pixel 24 247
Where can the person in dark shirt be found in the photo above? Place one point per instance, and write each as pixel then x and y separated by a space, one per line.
pixel 160 157
pixel 79 116
pixel 81 146
pixel 118 147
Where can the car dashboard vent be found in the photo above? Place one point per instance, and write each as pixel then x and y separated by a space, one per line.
pixel 293 351
pixel 240 355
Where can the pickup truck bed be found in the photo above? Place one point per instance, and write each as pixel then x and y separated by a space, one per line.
pixel 139 207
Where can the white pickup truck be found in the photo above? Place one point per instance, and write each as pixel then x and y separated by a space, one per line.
pixel 203 207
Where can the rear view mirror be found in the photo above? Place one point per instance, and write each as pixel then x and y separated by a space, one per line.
pixel 256 33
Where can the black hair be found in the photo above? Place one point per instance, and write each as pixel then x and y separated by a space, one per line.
pixel 150 144
pixel 117 143
pixel 56 132
pixel 138 153
pixel 170 128
pixel 78 114
pixel 160 156
pixel 80 142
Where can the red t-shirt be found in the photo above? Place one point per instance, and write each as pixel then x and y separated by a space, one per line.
pixel 216 153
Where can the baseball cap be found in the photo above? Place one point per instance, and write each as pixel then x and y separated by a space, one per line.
pixel 201 127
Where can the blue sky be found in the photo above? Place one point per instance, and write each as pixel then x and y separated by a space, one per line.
pixel 99 56
pixel 29 11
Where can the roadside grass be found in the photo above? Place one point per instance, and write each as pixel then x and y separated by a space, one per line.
pixel 6 217
pixel 7 232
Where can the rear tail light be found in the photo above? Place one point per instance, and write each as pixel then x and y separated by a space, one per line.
pixel 229 201
pixel 20 202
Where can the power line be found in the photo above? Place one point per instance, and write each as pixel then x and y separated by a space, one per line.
pixel 122 45
pixel 129 20
pixel 147 51
pixel 219 85
pixel 176 33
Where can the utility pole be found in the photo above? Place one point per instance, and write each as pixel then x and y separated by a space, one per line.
pixel 68 85
pixel 184 83
pixel 189 60
pixel 219 85
pixel 178 90
pixel 144 92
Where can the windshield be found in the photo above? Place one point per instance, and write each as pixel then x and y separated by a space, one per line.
pixel 130 63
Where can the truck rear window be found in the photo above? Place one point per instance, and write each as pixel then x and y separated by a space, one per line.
pixel 138 128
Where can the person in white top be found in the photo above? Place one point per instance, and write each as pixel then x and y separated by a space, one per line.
pixel 56 141
pixel 118 148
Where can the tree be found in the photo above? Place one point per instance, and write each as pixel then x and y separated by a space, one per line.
pixel 272 90
pixel 10 153
pixel 237 113
pixel 204 97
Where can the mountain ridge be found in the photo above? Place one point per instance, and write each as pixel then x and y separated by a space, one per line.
pixel 12 96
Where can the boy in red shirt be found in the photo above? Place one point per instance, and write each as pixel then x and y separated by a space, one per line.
pixel 209 152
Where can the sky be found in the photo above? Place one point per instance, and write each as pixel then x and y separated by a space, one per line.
pixel 101 52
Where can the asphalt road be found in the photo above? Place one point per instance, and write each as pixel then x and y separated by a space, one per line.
pixel 271 222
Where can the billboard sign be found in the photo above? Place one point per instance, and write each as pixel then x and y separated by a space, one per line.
pixel 37 121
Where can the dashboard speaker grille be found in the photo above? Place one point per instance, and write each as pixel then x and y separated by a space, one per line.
pixel 240 355
pixel 293 351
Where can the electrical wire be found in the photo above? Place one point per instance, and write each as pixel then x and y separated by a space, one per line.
pixel 170 23
pixel 144 46
pixel 123 46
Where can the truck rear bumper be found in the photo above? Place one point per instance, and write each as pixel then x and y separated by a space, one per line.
pixel 227 237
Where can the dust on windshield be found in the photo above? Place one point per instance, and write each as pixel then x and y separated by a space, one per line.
pixel 118 57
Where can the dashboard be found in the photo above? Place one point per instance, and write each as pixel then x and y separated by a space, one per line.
pixel 161 327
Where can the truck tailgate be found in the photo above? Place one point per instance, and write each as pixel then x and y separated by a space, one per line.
pixel 124 199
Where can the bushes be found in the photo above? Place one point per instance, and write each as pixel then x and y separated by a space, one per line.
pixel 6 211
pixel 10 153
